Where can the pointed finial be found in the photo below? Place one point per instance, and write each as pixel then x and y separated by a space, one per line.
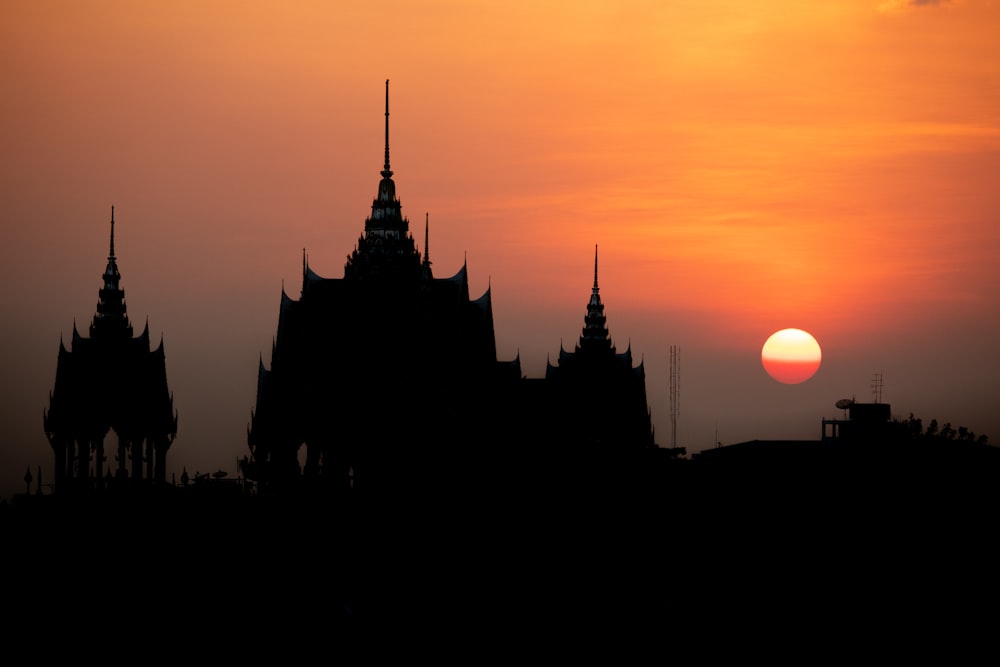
pixel 386 171
pixel 112 255
pixel 595 266
pixel 427 237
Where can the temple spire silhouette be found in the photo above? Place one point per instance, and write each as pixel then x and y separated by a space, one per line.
pixel 386 171
pixel 426 265
pixel 111 253
pixel 599 397
pixel 386 251
pixel 111 319
pixel 110 381
pixel 359 360
pixel 595 330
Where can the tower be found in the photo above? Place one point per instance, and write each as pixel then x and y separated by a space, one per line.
pixel 599 397
pixel 379 379
pixel 110 381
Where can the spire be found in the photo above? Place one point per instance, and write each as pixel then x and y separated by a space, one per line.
pixel 386 218
pixel 111 318
pixel 386 248
pixel 595 331
pixel 111 254
pixel 595 295
pixel 386 171
pixel 595 269
pixel 425 266
pixel 427 239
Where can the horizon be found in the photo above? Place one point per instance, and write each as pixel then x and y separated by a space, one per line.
pixel 741 170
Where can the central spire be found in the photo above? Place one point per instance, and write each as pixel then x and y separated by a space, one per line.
pixel 386 171
pixel 385 210
pixel 387 247
pixel 111 255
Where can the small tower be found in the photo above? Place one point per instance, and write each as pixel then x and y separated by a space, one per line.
pixel 599 397
pixel 110 381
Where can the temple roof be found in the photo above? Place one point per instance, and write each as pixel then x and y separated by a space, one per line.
pixel 110 379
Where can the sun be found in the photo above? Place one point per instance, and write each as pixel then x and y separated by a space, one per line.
pixel 791 356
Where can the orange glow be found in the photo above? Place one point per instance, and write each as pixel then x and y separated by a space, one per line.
pixel 791 356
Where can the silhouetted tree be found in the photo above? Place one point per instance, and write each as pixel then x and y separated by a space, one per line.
pixel 915 430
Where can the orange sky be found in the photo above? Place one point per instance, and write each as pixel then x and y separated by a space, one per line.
pixel 744 167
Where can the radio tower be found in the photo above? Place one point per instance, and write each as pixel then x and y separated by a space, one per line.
pixel 877 387
pixel 675 392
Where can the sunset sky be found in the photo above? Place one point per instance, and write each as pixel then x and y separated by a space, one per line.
pixel 744 167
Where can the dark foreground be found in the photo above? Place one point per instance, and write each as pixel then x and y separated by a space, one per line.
pixel 843 549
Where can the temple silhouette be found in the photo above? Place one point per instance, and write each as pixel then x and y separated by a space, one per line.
pixel 597 393
pixel 385 384
pixel 109 382
pixel 388 377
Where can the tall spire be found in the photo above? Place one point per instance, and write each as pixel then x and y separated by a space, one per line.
pixel 111 319
pixel 385 208
pixel 387 248
pixel 595 269
pixel 425 266
pixel 111 255
pixel 386 171
pixel 595 331
pixel 427 238
pixel 305 269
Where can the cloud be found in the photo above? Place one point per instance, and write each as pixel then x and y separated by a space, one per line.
pixel 904 5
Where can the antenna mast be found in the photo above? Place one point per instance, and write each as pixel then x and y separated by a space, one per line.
pixel 877 387
pixel 675 392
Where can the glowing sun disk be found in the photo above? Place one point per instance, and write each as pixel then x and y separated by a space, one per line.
pixel 791 356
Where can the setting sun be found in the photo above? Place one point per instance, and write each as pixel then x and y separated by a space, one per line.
pixel 791 356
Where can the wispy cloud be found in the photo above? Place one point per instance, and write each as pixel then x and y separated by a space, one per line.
pixel 904 5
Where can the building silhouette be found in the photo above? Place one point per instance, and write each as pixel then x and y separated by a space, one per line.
pixel 388 378
pixel 381 375
pixel 109 382
pixel 597 394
